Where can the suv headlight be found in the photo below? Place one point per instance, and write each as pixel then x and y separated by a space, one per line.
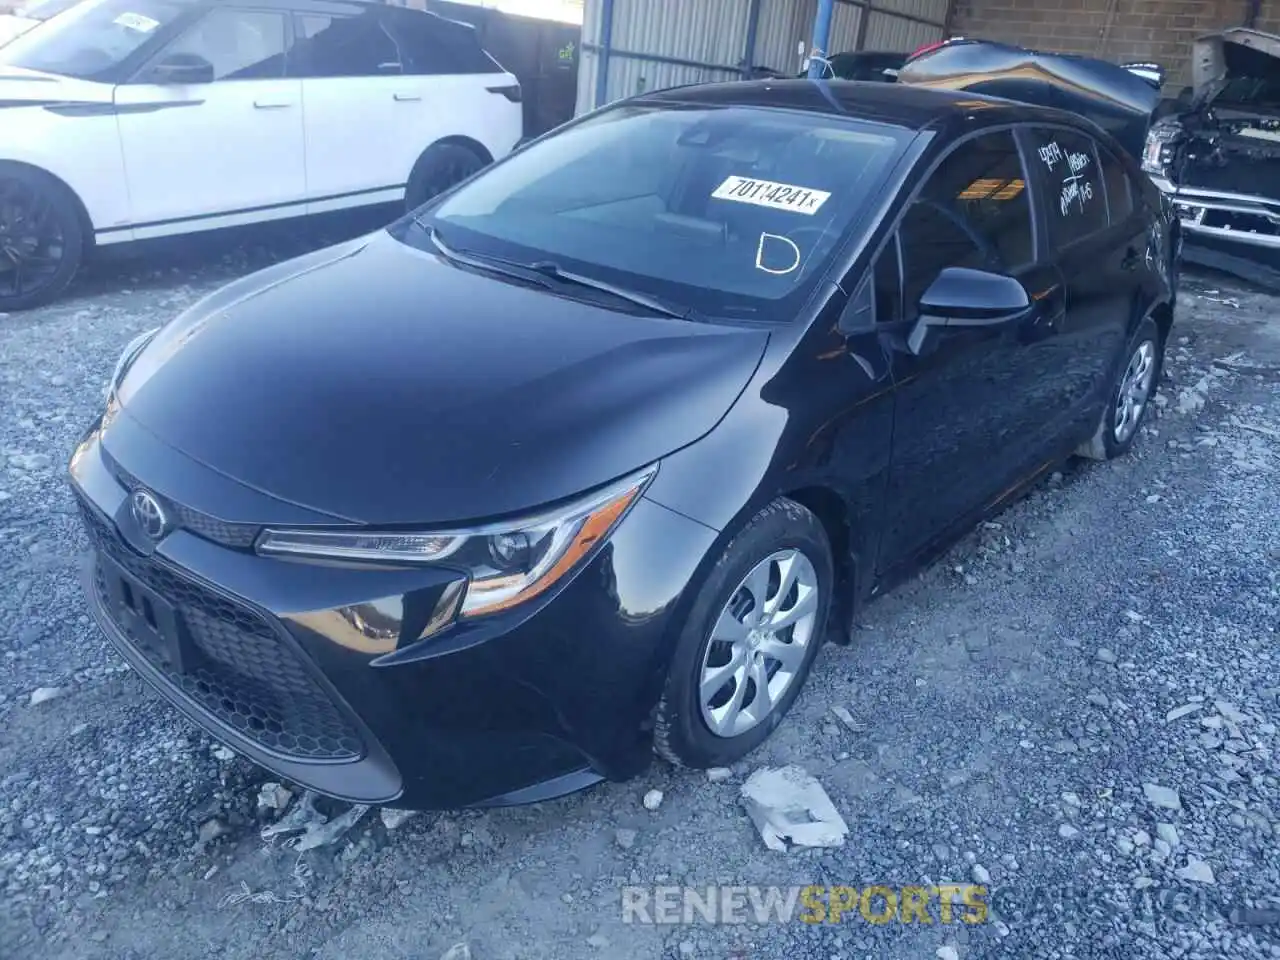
pixel 1157 155
pixel 127 356
pixel 506 563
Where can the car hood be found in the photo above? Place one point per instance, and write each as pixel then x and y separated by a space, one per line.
pixel 1237 54
pixel 23 88
pixel 375 383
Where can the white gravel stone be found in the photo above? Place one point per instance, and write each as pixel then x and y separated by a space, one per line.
pixel 1196 871
pixel 1168 833
pixel 1164 797
pixel 652 800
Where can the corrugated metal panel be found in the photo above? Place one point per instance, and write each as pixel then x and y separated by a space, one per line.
pixel 783 25
pixel 887 32
pixel 844 28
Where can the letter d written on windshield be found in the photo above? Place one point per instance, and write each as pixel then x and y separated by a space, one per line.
pixel 776 255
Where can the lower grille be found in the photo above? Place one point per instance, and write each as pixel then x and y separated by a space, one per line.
pixel 241 670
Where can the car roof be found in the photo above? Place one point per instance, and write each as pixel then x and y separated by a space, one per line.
pixel 904 105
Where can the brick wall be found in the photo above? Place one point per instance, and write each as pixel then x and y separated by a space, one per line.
pixel 1158 30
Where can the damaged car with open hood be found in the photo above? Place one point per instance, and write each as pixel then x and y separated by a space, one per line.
pixel 1219 158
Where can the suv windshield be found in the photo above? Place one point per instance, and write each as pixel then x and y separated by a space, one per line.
pixel 90 38
pixel 728 211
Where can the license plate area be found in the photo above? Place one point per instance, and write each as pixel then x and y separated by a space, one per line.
pixel 148 619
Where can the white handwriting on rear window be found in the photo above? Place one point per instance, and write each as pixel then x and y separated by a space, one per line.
pixel 1050 154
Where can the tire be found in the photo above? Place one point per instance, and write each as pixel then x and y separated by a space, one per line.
pixel 441 166
pixel 683 734
pixel 1118 429
pixel 41 238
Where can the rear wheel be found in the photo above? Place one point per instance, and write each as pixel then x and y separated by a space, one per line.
pixel 1131 396
pixel 41 238
pixel 440 167
pixel 750 640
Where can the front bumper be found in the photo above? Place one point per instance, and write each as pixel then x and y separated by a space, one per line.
pixel 515 708
pixel 1228 218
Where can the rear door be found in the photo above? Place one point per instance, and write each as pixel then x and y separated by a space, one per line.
pixel 1099 260
pixel 358 107
pixel 971 412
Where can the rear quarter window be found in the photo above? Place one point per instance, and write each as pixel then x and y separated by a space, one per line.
pixel 1074 198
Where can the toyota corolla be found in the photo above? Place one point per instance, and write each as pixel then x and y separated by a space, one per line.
pixel 589 456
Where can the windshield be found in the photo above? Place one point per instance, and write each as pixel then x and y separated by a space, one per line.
pixel 728 211
pixel 90 38
pixel 42 9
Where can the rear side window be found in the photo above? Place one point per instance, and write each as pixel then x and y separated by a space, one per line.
pixel 343 47
pixel 433 46
pixel 1118 186
pixel 973 211
pixel 1074 200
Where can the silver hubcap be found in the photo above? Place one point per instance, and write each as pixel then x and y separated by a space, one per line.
pixel 1135 390
pixel 758 643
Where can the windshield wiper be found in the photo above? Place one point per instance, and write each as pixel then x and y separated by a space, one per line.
pixel 545 271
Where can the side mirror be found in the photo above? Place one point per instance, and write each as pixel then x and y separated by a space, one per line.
pixel 181 68
pixel 961 297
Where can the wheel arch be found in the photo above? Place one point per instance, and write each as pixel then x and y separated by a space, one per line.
pixel 455 140
pixel 836 516
pixel 82 212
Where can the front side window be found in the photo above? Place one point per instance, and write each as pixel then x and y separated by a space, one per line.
pixel 974 211
pixel 93 38
pixel 727 210
pixel 238 44
pixel 344 47
pixel 1073 195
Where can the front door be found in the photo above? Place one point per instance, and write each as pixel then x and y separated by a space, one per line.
pixel 970 408
pixel 218 149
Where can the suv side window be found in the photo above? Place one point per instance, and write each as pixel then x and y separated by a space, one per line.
pixel 334 46
pixel 1119 190
pixel 240 44
pixel 974 211
pixel 435 47
pixel 1075 205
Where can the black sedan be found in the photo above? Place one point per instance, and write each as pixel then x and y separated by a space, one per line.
pixel 589 456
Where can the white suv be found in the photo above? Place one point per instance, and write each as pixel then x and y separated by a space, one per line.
pixel 126 120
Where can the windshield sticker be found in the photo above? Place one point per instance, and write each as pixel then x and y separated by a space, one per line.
pixel 776 255
pixel 766 193
pixel 136 21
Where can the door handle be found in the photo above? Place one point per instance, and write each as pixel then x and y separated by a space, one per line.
pixel 271 104
pixel 407 97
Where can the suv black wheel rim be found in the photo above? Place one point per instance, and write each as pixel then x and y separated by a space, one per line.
pixel 32 245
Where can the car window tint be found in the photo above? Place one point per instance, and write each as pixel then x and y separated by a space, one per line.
pixel 1119 189
pixel 973 211
pixel 434 46
pixel 1074 200
pixel 344 47
pixel 240 44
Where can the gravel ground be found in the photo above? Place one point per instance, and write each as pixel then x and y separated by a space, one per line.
pixel 1076 708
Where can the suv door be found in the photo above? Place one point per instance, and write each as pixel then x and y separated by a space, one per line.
pixel 359 109
pixel 1100 257
pixel 971 410
pixel 225 150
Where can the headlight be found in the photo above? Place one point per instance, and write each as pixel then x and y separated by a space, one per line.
pixel 1157 155
pixel 127 356
pixel 507 563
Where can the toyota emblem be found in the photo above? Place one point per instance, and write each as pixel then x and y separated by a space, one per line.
pixel 148 514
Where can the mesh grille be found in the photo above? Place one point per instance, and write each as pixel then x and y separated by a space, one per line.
pixel 241 670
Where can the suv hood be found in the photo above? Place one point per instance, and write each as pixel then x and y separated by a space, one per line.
pixel 1228 61
pixel 1116 98
pixel 376 383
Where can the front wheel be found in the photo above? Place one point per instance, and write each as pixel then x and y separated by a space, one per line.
pixel 41 238
pixel 750 640
pixel 1131 396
